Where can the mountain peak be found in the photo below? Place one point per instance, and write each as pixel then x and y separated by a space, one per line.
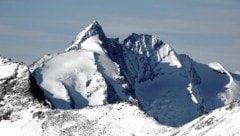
pixel 92 30
pixel 149 42
pixel 94 27
pixel 95 23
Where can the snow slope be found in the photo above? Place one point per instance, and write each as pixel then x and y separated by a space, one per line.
pixel 65 79
pixel 117 119
pixel 221 122
pixel 218 87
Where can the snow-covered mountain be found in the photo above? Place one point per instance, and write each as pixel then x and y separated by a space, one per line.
pixel 96 70
pixel 140 86
pixel 84 75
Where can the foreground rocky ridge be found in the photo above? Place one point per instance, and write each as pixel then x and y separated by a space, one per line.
pixel 17 88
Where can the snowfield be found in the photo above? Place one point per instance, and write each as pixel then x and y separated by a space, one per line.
pixel 71 84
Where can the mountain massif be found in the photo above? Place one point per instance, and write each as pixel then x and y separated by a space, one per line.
pixel 100 86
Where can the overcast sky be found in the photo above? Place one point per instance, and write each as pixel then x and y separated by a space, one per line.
pixel 207 30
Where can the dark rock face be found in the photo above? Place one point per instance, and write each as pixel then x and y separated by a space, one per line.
pixel 36 90
pixel 140 57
